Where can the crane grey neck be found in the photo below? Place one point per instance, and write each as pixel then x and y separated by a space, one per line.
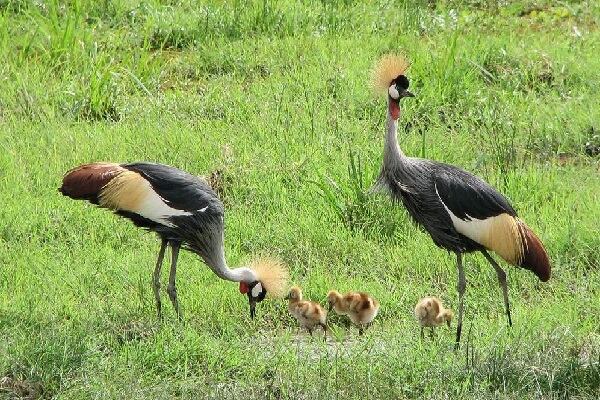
pixel 396 168
pixel 220 268
pixel 208 243
pixel 392 155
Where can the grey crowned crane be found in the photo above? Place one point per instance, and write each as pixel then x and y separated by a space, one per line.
pixel 183 210
pixel 461 212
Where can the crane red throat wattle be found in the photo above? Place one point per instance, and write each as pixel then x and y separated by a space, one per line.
pixel 394 108
pixel 243 287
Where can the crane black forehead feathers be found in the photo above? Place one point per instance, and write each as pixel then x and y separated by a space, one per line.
pixel 401 81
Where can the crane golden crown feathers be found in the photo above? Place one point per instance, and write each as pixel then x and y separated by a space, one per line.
pixel 385 70
pixel 272 273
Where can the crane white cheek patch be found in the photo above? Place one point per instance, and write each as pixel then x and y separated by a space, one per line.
pixel 256 290
pixel 393 92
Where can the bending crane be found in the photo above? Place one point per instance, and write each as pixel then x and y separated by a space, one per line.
pixel 183 210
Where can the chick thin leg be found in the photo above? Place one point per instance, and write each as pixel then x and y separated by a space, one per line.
pixel 462 285
pixel 363 328
pixel 422 333
pixel 324 326
pixel 156 277
pixel 502 280
pixel 172 289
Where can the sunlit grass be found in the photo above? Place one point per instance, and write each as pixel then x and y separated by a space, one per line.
pixel 272 99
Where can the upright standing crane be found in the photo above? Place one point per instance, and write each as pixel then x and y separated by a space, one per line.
pixel 461 212
pixel 183 210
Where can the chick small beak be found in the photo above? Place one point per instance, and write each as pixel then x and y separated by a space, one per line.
pixel 406 93
pixel 252 308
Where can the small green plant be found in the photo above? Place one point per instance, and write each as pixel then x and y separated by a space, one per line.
pixel 354 204
pixel 498 134
pixel 348 200
pixel 96 98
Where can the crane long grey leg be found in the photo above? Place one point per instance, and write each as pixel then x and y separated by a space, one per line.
pixel 462 284
pixel 171 289
pixel 156 277
pixel 502 280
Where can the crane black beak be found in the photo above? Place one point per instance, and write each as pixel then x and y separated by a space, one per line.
pixel 406 93
pixel 252 308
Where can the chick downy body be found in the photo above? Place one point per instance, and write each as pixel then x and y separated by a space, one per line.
pixel 358 306
pixel 308 313
pixel 430 312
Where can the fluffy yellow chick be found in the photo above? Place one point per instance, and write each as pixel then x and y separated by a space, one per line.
pixel 429 311
pixel 308 313
pixel 359 307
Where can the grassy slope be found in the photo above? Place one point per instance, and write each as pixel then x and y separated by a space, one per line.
pixel 275 97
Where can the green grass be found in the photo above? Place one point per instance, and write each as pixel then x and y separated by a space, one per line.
pixel 274 96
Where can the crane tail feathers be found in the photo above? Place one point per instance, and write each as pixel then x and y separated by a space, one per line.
pixel 534 256
pixel 86 181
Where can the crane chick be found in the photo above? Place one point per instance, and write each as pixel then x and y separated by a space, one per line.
pixel 359 307
pixel 308 313
pixel 430 312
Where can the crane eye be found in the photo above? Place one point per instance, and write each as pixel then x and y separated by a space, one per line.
pixel 393 92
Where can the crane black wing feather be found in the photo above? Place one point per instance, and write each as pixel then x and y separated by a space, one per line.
pixel 178 188
pixel 202 230
pixel 467 196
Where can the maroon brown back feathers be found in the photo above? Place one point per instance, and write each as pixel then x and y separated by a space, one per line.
pixel 534 257
pixel 86 181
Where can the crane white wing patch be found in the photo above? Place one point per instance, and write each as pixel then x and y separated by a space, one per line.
pixel 129 191
pixel 498 233
pixel 155 208
pixel 472 228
